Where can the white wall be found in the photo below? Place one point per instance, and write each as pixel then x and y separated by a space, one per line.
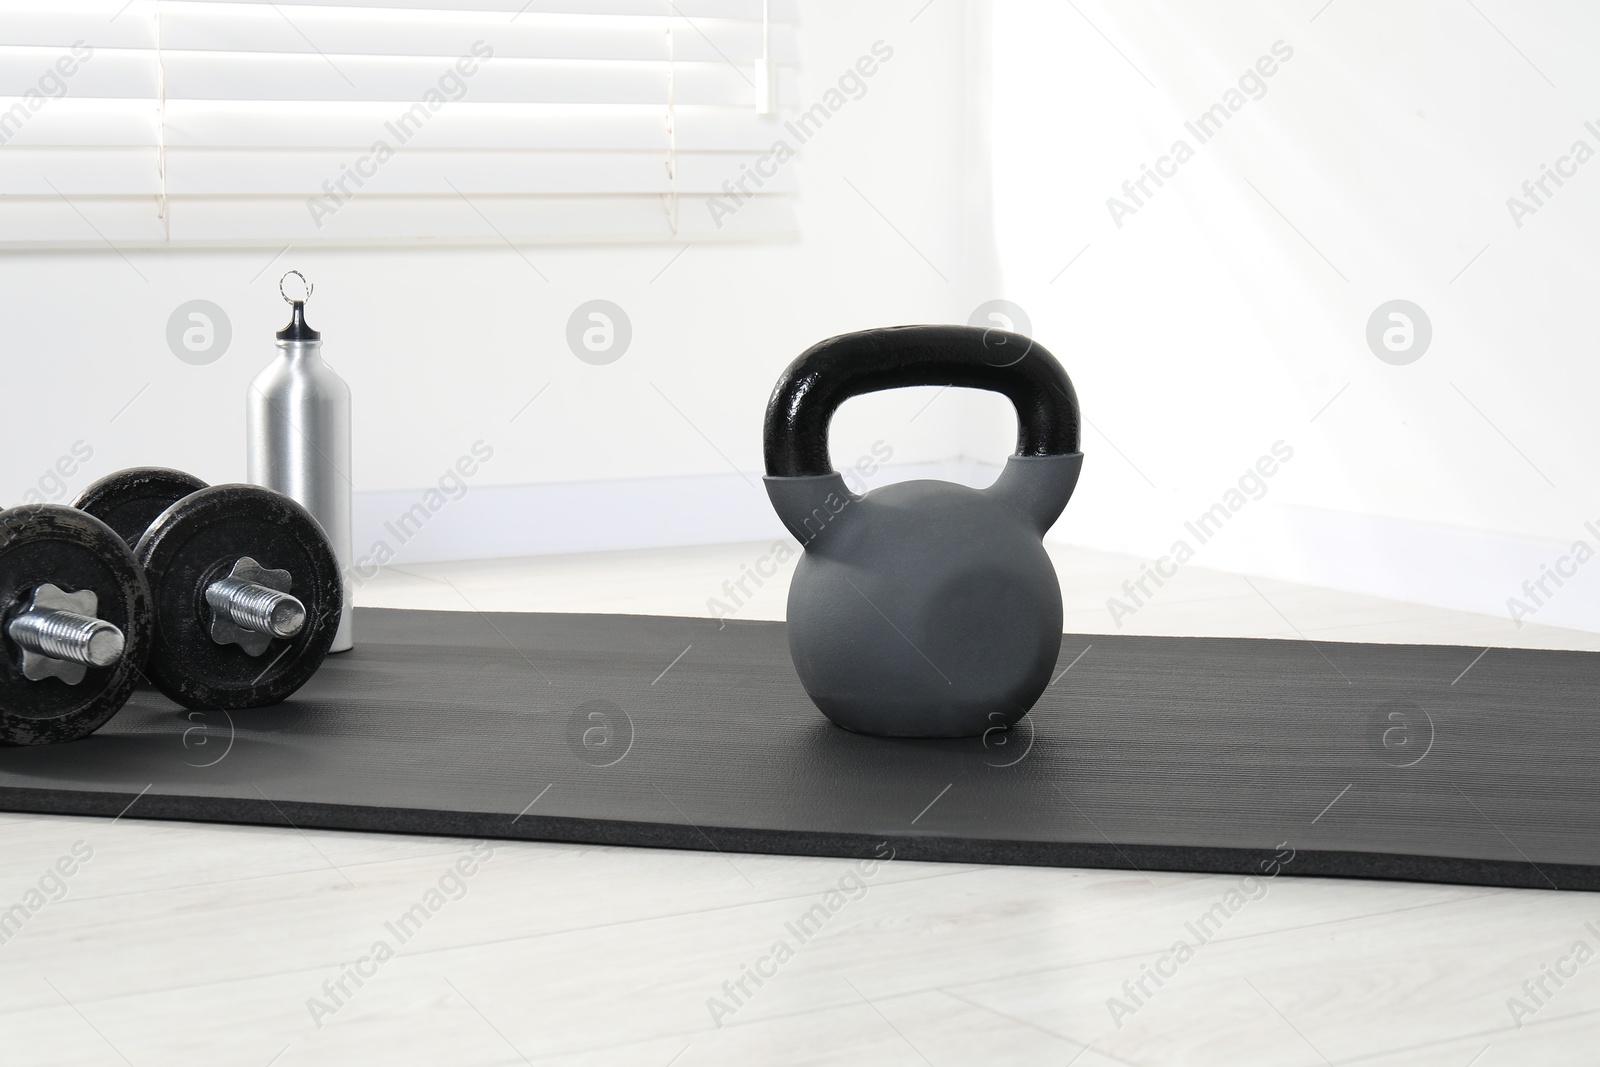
pixel 1227 311
pixel 1220 318
pixel 443 347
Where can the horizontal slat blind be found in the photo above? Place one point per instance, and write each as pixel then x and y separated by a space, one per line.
pixel 244 122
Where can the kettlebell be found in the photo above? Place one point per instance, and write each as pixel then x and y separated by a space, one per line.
pixel 923 608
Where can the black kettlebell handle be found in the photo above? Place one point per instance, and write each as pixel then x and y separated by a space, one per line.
pixel 827 374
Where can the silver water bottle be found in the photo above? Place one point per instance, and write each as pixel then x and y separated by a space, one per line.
pixel 297 426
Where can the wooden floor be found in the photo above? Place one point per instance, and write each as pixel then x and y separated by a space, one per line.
pixel 174 943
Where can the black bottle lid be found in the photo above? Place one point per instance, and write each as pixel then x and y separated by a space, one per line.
pixel 297 330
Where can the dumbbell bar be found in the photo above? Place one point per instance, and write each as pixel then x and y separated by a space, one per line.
pixel 61 636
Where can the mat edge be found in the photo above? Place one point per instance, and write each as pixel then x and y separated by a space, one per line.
pixel 1181 859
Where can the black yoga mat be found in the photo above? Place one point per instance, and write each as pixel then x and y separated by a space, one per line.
pixel 1431 763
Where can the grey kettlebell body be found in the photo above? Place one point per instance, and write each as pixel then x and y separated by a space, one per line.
pixel 924 608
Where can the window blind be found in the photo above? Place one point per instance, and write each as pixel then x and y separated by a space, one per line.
pixel 251 123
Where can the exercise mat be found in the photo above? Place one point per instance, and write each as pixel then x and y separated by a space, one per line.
pixel 1429 763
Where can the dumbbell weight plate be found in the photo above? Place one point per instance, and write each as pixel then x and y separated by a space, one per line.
pixel 129 500
pixel 49 544
pixel 199 540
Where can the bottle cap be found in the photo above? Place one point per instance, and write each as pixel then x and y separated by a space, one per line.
pixel 297 330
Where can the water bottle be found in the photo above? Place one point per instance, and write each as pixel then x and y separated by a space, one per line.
pixel 297 428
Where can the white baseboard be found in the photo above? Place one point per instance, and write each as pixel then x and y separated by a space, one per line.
pixel 497 521
pixel 1426 563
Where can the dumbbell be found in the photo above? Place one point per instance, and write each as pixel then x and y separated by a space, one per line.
pixel 129 500
pixel 245 589
pixel 75 624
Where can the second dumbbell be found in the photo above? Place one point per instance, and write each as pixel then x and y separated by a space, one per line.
pixel 245 588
